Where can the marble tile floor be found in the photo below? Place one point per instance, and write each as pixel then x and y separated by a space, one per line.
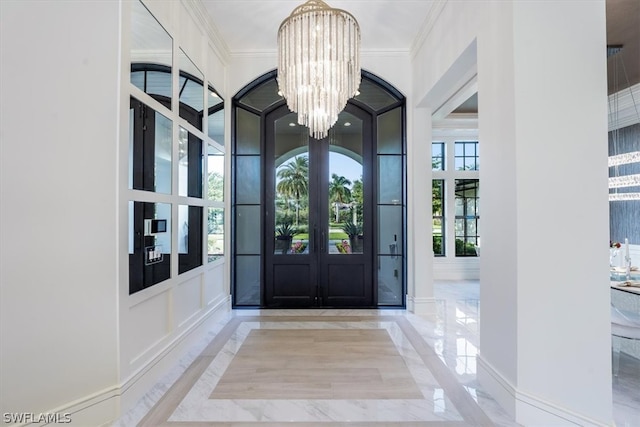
pixel 342 367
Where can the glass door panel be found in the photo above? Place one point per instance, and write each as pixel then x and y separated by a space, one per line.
pixel 345 195
pixel 315 193
pixel 291 188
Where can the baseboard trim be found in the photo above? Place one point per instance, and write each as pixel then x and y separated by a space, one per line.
pixel 526 408
pixel 86 410
pixel 105 406
pixel 154 367
pixel 421 305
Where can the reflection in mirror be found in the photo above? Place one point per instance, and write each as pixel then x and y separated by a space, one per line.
pixel 149 247
pixel 151 55
pixel 215 174
pixel 189 164
pixel 215 238
pixel 149 149
pixel 215 116
pixel 191 89
pixel 189 237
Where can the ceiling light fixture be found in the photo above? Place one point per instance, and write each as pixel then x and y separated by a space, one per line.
pixel 616 160
pixel 318 63
pixel 624 159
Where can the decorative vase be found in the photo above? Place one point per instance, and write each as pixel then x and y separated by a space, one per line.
pixel 613 253
pixel 283 244
pixel 356 244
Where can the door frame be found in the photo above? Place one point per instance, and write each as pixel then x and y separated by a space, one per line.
pixel 250 105
pixel 323 270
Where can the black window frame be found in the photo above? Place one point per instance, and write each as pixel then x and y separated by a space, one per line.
pixel 462 240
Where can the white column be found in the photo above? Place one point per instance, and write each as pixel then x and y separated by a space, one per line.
pixel 420 257
pixel 545 327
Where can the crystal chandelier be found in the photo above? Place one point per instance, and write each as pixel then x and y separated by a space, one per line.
pixel 318 63
pixel 617 181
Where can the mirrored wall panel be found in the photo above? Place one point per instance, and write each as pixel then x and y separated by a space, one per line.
pixel 215 125
pixel 149 149
pixel 151 55
pixel 149 244
pixel 191 90
pixel 189 164
pixel 215 234
pixel 215 174
pixel 189 237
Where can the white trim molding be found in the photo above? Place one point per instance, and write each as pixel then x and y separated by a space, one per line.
pixel 100 408
pixel 421 305
pixel 526 408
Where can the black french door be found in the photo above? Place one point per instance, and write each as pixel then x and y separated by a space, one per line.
pixel 318 213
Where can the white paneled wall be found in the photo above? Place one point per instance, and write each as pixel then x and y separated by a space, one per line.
pixel 215 286
pixel 187 300
pixel 159 323
pixel 461 268
pixel 150 322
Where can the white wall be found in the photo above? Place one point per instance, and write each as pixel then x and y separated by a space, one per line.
pixel 73 339
pixel 58 303
pixel 531 137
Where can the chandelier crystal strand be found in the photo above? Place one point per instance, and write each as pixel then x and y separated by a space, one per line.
pixel 624 159
pixel 624 181
pixel 621 197
pixel 318 64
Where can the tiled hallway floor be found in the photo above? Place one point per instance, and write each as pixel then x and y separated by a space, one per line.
pixel 342 367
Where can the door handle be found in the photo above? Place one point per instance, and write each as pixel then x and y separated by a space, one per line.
pixel 322 241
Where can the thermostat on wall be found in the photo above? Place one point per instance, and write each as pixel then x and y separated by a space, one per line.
pixel 154 226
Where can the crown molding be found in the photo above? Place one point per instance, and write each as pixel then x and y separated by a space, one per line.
pixel 372 53
pixel 201 15
pixel 271 53
pixel 429 22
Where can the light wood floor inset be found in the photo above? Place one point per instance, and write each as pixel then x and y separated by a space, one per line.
pixel 317 364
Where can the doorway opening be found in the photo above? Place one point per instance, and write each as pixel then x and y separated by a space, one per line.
pixel 319 223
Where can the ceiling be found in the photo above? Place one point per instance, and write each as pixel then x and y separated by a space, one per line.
pixel 250 26
pixel 623 28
